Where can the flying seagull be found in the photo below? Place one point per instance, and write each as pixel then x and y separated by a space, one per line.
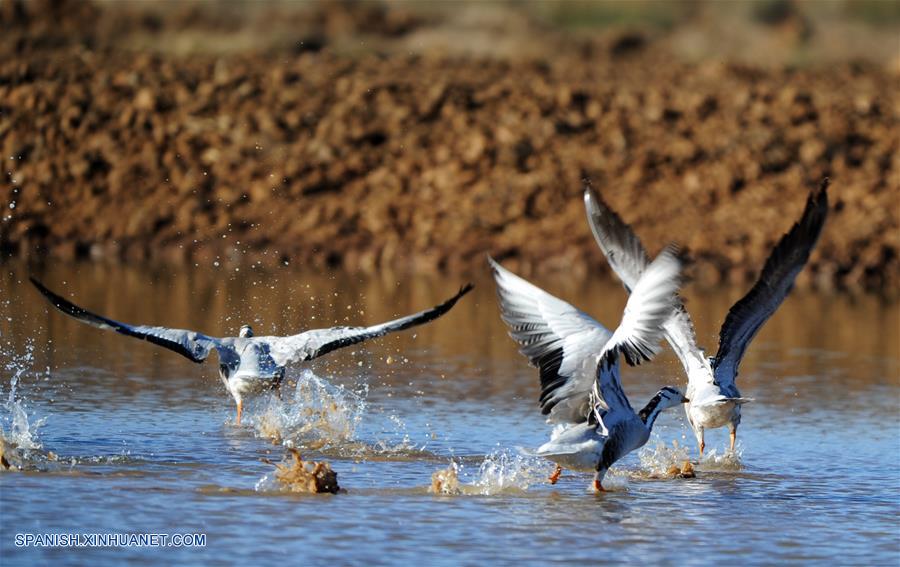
pixel 715 399
pixel 250 364
pixel 578 359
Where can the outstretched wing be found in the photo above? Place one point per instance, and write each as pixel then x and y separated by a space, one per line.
pixel 637 336
pixel 561 341
pixel 787 259
pixel 649 306
pixel 317 342
pixel 628 259
pixel 190 344
pixel 622 248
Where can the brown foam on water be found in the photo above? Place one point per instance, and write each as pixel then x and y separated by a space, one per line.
pixel 686 470
pixel 297 475
pixel 445 481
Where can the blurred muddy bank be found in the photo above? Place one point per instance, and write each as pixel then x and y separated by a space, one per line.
pixel 367 136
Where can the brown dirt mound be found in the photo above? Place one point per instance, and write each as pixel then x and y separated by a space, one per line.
pixel 429 162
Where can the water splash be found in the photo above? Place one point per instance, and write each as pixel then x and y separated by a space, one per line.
pixel 617 479
pixel 663 461
pixel 669 461
pixel 325 417
pixel 20 444
pixel 21 431
pixel 394 439
pixel 726 462
pixel 267 483
pixel 501 472
pixel 317 415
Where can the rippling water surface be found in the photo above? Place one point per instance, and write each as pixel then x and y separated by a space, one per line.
pixel 119 436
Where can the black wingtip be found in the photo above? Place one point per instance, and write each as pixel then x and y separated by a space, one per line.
pixel 609 358
pixel 447 305
pixel 634 355
pixel 785 261
pixel 56 300
pixel 816 210
pixel 65 305
pixel 674 249
pixel 818 197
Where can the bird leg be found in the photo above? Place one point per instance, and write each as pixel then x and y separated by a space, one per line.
pixel 733 437
pixel 555 476
pixel 598 478
pixel 279 383
pixel 240 410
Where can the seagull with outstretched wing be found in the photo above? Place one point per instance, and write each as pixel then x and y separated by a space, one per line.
pixel 715 399
pixel 250 364
pixel 578 360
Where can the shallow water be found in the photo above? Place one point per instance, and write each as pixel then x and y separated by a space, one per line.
pixel 140 440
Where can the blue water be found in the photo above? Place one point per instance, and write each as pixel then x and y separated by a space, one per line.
pixel 142 439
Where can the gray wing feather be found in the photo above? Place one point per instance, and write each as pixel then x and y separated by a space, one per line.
pixel 784 263
pixel 561 341
pixel 622 248
pixel 628 259
pixel 640 331
pixel 190 344
pixel 649 306
pixel 317 342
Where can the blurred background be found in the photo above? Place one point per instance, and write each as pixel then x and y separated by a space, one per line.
pixel 419 136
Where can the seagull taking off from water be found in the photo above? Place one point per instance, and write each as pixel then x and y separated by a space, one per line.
pixel 249 364
pixel 715 399
pixel 578 359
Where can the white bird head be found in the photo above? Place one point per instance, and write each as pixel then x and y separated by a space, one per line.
pixel 246 331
